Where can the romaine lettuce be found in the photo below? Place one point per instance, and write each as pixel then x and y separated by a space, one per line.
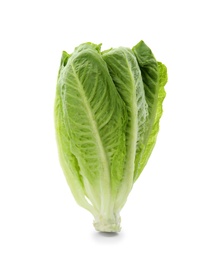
pixel 107 111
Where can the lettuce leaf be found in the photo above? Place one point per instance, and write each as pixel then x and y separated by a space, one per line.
pixel 154 76
pixel 126 74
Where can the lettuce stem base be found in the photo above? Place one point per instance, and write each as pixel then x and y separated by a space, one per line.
pixel 103 224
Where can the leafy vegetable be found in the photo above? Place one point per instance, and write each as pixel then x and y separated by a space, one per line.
pixel 107 111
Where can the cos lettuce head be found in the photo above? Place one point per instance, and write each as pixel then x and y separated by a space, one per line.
pixel 107 111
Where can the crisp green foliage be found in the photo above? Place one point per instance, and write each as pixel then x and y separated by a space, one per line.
pixel 107 111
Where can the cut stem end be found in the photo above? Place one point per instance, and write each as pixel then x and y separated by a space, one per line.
pixel 107 225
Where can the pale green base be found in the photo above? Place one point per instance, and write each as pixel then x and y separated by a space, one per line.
pixel 108 225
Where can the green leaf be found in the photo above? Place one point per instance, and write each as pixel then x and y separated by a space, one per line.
pixel 152 136
pixel 149 71
pixel 154 77
pixel 126 75
pixel 94 117
pixel 67 159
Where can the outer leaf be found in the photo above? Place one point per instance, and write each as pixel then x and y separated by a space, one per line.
pixel 126 75
pixel 151 139
pixel 94 117
pixel 68 160
pixel 149 71
pixel 154 77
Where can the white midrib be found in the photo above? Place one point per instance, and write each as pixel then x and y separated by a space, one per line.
pixel 105 174
pixel 127 182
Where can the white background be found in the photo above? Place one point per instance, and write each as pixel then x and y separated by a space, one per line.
pixel 169 212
